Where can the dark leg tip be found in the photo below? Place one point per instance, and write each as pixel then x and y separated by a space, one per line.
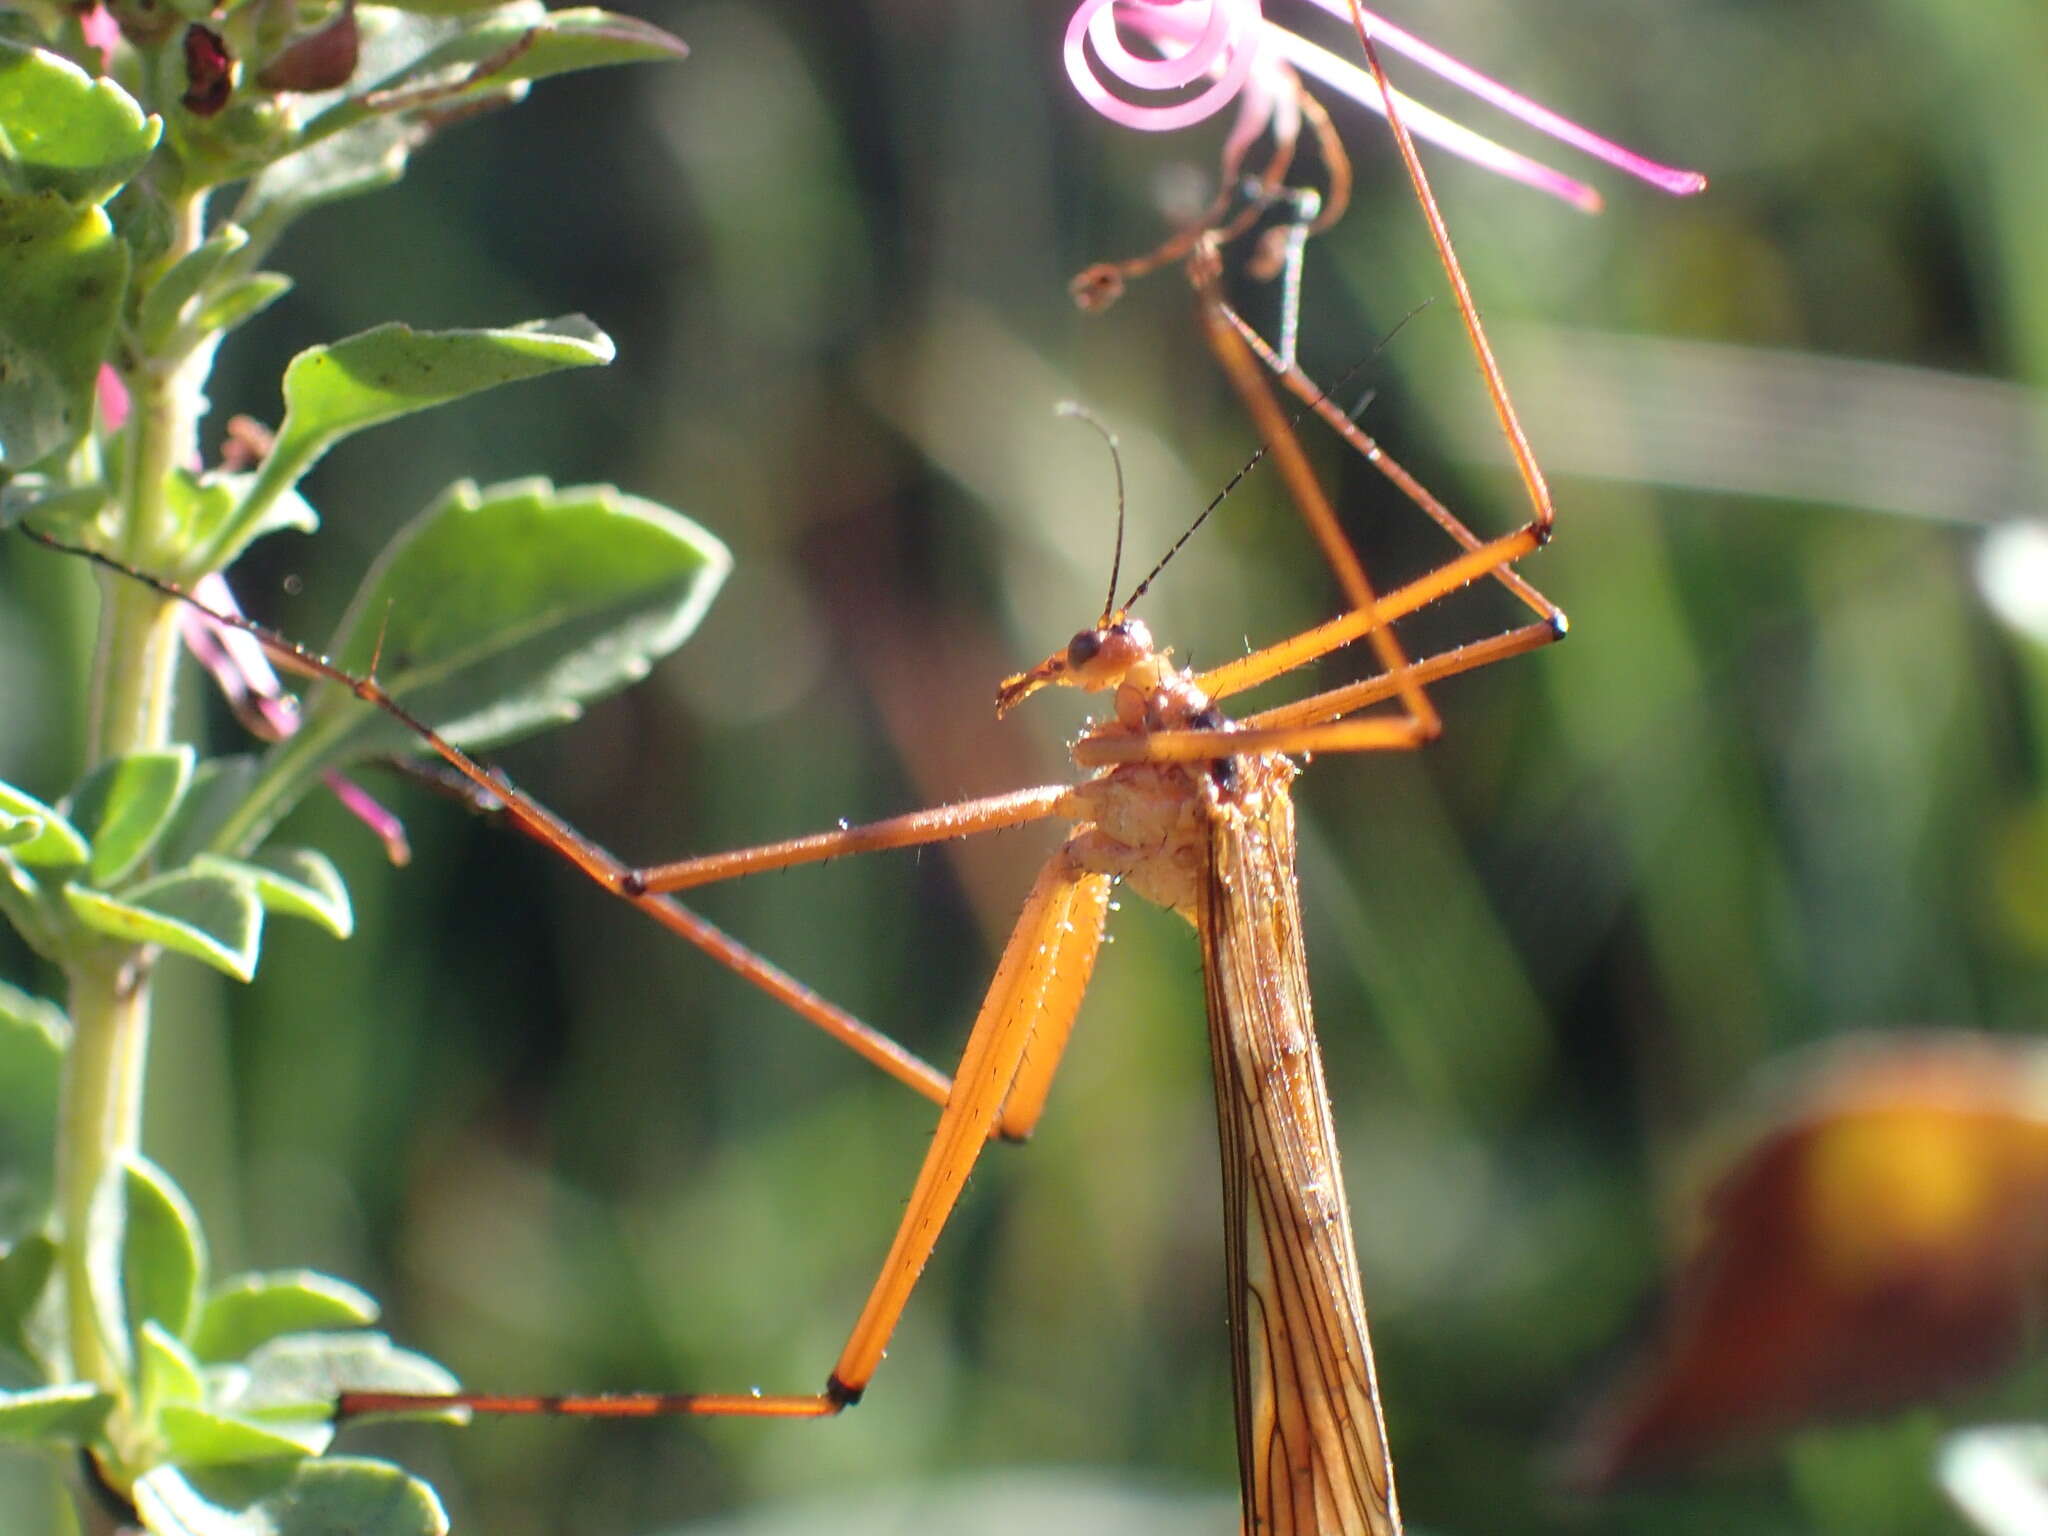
pixel 841 1394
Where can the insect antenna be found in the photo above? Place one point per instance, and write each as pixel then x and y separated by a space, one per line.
pixel 1080 412
pixel 1252 463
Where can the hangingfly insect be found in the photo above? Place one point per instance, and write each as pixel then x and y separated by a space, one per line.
pixel 1193 811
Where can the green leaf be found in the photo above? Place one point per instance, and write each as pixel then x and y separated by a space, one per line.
pixel 334 391
pixel 124 805
pixel 218 788
pixel 67 142
pixel 241 300
pixel 204 504
pixel 326 1497
pixel 292 882
pixel 65 131
pixel 19 829
pixel 198 1437
pixel 24 1271
pixel 32 1041
pixel 144 1254
pixel 253 1309
pixel 71 1414
pixel 58 843
pixel 165 1373
pixel 301 1374
pixel 168 299
pixel 392 371
pixel 26 1322
pixel 488 57
pixel 213 917
pixel 365 158
pixel 62 276
pixel 507 609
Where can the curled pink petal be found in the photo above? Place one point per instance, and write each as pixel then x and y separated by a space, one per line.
pixel 364 807
pixel 1230 23
pixel 1228 42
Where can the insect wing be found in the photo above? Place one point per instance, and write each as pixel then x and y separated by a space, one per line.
pixel 1312 1447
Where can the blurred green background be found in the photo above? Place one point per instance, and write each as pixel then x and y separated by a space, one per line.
pixel 1784 781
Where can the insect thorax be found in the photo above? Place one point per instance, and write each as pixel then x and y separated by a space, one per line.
pixel 1149 824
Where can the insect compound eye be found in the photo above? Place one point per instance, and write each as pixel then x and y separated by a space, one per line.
pixel 1084 648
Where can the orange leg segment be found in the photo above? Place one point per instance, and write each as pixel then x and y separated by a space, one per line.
pixel 1008 1064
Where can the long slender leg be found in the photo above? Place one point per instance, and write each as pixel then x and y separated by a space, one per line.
pixel 1337 702
pixel 961 819
pixel 1286 452
pixel 1024 1020
pixel 1312 395
pixel 1285 655
pixel 600 866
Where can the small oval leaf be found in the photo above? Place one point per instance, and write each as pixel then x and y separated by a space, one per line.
pixel 303 1373
pixel 165 1371
pixel 250 1310
pixel 289 1498
pixel 484 59
pixel 124 805
pixel 197 1437
pixel 24 1271
pixel 68 1415
pixel 502 610
pixel 211 917
pixel 144 1255
pixel 68 132
pixel 58 843
pixel 32 1044
pixel 62 275
pixel 292 882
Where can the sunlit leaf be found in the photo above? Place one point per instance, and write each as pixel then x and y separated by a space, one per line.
pixel 124 805
pixel 214 917
pixel 57 843
pixel 333 391
pixel 248 1310
pixel 32 1042
pixel 292 882
pixel 198 1437
pixel 70 1415
pixel 289 1498
pixel 303 1373
pixel 66 132
pixel 506 609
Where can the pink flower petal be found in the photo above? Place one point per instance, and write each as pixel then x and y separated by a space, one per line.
pixel 364 807
pixel 238 663
pixel 1228 41
pixel 112 398
pixel 101 32
pixel 1678 182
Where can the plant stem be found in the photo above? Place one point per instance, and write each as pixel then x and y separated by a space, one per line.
pixel 133 676
pixel 99 1123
